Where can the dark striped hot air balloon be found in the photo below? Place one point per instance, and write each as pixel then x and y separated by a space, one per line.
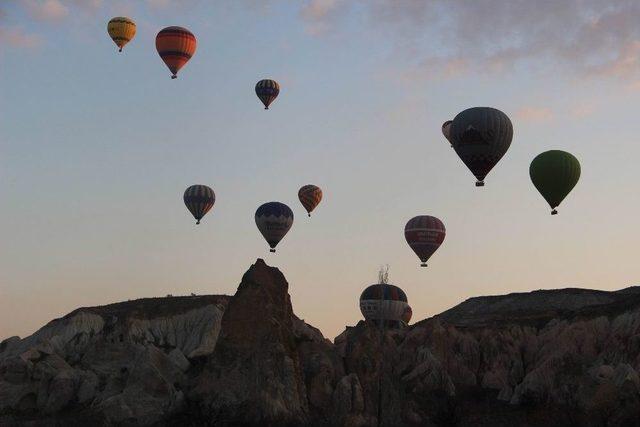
pixel 267 90
pixel 274 219
pixel 554 173
pixel 176 46
pixel 481 136
pixel 424 234
pixel 199 199
pixel 383 302
pixel 121 30
pixel 310 196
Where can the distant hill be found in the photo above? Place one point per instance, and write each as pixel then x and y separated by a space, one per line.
pixel 538 307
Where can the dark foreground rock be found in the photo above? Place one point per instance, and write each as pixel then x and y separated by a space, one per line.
pixel 547 358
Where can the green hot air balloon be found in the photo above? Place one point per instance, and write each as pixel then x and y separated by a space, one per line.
pixel 554 173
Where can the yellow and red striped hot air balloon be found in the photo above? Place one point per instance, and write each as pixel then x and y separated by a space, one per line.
pixel 121 30
pixel 176 46
pixel 310 196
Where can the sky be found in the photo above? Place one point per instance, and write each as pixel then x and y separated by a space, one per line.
pixel 97 148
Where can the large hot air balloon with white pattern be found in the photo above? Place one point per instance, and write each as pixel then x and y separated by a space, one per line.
pixel 310 196
pixel 199 199
pixel 383 302
pixel 274 219
pixel 481 136
pixel 424 234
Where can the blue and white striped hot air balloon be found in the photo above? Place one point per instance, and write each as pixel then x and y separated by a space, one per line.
pixel 274 219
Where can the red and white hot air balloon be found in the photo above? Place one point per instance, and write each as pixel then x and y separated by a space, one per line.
pixel 424 234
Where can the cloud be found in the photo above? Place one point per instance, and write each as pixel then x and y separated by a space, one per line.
pixel 46 10
pixel 17 37
pixel 592 37
pixel 319 14
pixel 534 114
pixel 316 10
pixel 158 4
pixel 582 110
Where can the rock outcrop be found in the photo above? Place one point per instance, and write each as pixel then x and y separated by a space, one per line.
pixel 545 358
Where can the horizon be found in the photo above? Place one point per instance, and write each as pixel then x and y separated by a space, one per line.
pixel 99 146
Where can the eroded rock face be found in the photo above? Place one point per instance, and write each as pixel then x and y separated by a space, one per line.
pixel 548 358
pixel 121 364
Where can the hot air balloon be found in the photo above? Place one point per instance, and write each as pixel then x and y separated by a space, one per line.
pixel 310 196
pixel 446 130
pixel 199 200
pixel 481 136
pixel 267 90
pixel 176 46
pixel 121 30
pixel 406 316
pixel 554 173
pixel 424 234
pixel 383 302
pixel 274 219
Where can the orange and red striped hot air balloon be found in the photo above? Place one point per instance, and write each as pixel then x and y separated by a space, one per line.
pixel 176 46
pixel 310 196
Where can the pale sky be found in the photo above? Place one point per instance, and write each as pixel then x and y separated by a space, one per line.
pixel 97 148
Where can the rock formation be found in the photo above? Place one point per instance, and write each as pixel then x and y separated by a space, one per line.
pixel 546 358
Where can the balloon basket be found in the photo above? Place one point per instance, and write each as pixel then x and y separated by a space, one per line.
pixel 554 212
pixel 424 264
pixel 309 215
pixel 197 222
pixel 174 77
pixel 479 183
pixel 272 250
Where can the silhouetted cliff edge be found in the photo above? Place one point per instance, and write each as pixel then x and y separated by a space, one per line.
pixel 545 358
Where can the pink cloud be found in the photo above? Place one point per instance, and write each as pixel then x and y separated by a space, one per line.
pixel 318 15
pixel 591 37
pixel 17 37
pixel 46 10
pixel 534 114
pixel 582 110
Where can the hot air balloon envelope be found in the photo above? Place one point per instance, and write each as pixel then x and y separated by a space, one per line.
pixel 424 234
pixel 199 199
pixel 481 136
pixel 176 46
pixel 121 30
pixel 406 316
pixel 310 196
pixel 383 302
pixel 267 90
pixel 446 130
pixel 274 219
pixel 554 173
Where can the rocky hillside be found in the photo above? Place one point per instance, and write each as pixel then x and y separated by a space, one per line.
pixel 545 358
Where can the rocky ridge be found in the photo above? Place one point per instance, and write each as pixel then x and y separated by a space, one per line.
pixel 545 358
